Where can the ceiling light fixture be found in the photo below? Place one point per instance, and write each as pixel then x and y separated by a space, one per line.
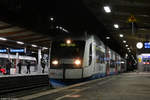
pixel 116 26
pixel 44 48
pixel 19 42
pixel 121 35
pixel 107 9
pixel 51 18
pixel 4 39
pixel 34 45
pixel 107 37
pixel 124 41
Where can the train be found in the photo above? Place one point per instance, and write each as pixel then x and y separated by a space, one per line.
pixel 144 62
pixel 78 59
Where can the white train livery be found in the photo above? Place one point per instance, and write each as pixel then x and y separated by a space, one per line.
pixel 80 59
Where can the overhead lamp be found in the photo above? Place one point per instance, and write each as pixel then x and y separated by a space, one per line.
pixel 107 37
pixel 19 42
pixel 107 9
pixel 124 41
pixel 4 39
pixel 116 26
pixel 57 26
pixel 44 48
pixel 126 45
pixel 34 45
pixel 60 28
pixel 128 48
pixel 51 18
pixel 121 35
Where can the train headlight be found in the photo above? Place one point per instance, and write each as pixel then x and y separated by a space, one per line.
pixel 68 41
pixel 77 62
pixel 55 62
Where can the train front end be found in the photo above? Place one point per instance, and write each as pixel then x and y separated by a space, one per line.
pixel 66 63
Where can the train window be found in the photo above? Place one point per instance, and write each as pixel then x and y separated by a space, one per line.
pixel 112 63
pixel 100 56
pixel 90 54
pixel 61 50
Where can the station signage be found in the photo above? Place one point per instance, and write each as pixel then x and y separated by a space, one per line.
pixel 3 50
pixel 17 50
pixel 131 19
pixel 147 45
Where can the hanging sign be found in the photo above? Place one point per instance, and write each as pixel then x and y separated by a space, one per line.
pixel 17 50
pixel 131 19
pixel 3 50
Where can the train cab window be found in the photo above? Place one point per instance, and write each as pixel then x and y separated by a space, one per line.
pixel 90 54
pixel 60 50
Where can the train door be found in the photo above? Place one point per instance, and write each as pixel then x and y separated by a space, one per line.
pixel 147 65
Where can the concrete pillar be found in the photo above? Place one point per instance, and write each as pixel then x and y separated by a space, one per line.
pixel 17 61
pixel 17 58
pixel 49 54
pixel 8 53
pixel 39 61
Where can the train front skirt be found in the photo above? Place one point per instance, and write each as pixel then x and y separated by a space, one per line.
pixel 65 82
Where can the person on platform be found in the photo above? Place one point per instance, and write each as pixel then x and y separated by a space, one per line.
pixel 8 66
pixel 19 66
pixel 28 67
pixel 43 65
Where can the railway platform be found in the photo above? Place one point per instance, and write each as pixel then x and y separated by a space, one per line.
pixel 11 83
pixel 127 86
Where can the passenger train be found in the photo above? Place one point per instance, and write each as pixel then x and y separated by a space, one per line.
pixel 144 62
pixel 75 60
